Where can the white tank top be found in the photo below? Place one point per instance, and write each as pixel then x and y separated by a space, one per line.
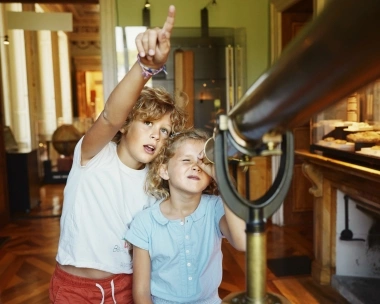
pixel 100 201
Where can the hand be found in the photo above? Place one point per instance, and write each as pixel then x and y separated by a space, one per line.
pixel 205 165
pixel 154 44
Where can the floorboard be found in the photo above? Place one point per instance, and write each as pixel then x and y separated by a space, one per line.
pixel 27 258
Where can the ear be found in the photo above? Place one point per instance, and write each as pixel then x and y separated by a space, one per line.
pixel 122 130
pixel 163 172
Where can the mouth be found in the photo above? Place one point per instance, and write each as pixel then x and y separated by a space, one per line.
pixel 193 177
pixel 149 149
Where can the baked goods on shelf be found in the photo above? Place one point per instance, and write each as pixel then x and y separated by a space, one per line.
pixel 370 151
pixel 339 144
pixel 340 141
pixel 364 137
pixel 329 139
pixel 359 126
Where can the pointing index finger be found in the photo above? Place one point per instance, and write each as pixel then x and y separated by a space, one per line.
pixel 169 22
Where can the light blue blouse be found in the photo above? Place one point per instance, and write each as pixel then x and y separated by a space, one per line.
pixel 186 257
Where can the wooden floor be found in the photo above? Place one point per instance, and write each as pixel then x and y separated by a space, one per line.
pixel 27 259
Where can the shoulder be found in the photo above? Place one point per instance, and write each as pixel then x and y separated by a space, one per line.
pixel 146 213
pixel 145 220
pixel 214 206
pixel 108 153
pixel 211 199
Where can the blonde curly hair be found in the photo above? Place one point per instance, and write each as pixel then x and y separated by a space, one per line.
pixel 157 186
pixel 152 104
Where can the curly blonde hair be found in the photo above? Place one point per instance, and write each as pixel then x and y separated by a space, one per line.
pixel 152 104
pixel 157 186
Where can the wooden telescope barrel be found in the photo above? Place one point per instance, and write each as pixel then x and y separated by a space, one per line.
pixel 335 54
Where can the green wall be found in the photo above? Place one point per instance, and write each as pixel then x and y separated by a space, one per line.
pixel 253 15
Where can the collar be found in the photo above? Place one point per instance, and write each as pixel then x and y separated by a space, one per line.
pixel 195 216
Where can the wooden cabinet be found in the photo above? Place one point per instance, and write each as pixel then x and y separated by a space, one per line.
pixel 23 180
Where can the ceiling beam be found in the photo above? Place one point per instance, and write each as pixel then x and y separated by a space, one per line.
pixel 53 1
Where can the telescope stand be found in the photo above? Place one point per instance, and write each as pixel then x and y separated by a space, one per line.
pixel 255 214
pixel 256 274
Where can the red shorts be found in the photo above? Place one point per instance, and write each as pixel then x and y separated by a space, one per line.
pixel 66 288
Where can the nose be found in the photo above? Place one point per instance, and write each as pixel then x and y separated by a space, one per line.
pixel 196 168
pixel 154 136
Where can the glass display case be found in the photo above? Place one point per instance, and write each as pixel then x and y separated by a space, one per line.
pixel 350 129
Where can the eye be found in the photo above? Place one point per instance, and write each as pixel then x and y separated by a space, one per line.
pixel 186 160
pixel 148 123
pixel 165 131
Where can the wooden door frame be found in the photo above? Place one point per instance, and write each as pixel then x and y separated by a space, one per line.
pixel 4 198
pixel 276 8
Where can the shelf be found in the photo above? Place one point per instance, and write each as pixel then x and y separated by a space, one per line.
pixel 352 157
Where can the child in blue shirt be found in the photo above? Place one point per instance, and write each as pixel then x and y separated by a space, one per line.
pixel 177 255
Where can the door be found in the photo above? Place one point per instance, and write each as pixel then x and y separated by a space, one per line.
pixel 298 204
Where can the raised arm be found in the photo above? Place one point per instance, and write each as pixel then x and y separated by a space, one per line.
pixel 232 226
pixel 153 46
pixel 141 276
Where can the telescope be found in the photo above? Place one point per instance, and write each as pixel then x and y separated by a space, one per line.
pixel 334 55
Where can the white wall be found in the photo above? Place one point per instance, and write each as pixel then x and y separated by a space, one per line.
pixel 354 258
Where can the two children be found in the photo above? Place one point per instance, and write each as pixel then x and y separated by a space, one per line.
pixel 105 188
pixel 177 255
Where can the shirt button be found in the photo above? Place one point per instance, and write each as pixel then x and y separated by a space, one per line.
pixel 182 223
pixel 190 278
pixel 189 264
pixel 187 251
pixel 186 237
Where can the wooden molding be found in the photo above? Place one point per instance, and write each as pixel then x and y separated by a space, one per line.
pixel 314 175
pixel 88 63
pixel 281 5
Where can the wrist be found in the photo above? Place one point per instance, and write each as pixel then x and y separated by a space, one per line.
pixel 148 71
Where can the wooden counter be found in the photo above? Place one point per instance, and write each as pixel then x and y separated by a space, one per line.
pixel 328 175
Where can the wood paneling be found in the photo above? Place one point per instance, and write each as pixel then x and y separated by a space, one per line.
pixel 256 180
pixel 184 81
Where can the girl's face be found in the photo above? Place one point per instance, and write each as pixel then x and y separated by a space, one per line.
pixel 143 141
pixel 182 170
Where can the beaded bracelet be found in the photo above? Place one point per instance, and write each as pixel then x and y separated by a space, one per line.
pixel 147 72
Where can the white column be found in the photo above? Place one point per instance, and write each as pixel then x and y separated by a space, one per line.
pixel 4 51
pixel 108 45
pixel 66 90
pixel 49 121
pixel 18 97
